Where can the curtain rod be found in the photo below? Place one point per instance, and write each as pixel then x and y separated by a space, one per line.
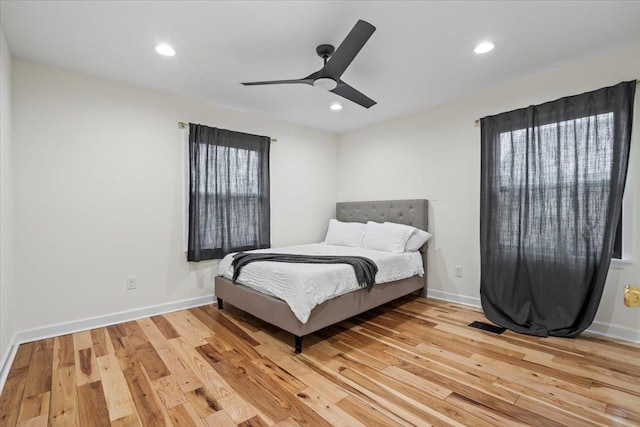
pixel 183 125
pixel 478 120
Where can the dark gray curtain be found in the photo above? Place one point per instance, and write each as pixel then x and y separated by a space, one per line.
pixel 229 206
pixel 553 177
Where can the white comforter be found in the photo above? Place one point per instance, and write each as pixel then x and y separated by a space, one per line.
pixel 303 286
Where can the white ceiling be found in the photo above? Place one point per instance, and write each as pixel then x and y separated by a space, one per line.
pixel 420 56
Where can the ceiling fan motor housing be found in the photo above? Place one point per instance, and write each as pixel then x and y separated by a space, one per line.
pixel 325 51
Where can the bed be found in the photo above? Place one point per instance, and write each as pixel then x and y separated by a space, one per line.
pixel 276 312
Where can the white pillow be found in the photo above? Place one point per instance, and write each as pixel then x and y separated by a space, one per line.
pixel 388 237
pixel 344 233
pixel 416 239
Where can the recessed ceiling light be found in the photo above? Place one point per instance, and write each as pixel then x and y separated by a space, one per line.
pixel 165 49
pixel 336 107
pixel 484 47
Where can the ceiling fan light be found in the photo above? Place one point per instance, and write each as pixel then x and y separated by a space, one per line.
pixel 336 107
pixel 325 83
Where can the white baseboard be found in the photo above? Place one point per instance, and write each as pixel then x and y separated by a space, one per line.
pixel 599 328
pixel 448 296
pixel 92 323
pixel 6 354
pixel 615 331
pixel 7 360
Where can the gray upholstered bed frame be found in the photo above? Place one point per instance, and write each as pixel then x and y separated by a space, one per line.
pixel 278 313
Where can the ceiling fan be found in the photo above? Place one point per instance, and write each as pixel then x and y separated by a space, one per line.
pixel 336 62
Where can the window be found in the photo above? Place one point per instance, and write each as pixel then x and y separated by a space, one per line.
pixel 570 166
pixel 229 192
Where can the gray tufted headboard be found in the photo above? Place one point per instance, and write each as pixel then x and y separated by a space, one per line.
pixel 409 212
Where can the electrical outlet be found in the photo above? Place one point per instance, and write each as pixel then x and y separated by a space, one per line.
pixel 131 282
pixel 458 270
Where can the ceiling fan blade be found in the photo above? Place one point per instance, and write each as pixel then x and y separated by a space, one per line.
pixel 279 82
pixel 347 51
pixel 346 91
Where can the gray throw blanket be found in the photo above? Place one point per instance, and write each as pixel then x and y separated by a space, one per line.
pixel 364 268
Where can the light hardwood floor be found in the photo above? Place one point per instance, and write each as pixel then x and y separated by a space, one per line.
pixel 411 362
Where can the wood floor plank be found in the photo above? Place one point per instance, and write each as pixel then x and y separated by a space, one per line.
pixel 63 352
pixel 445 411
pixel 226 340
pixel 189 327
pixel 327 410
pixel 187 381
pixel 148 405
pixel 39 377
pixel 350 388
pixel 101 342
pixel 368 415
pixel 44 344
pixel 237 408
pixel 269 408
pixel 292 384
pixel 288 422
pixel 135 334
pixel 269 398
pixel 219 419
pixel 169 357
pixel 169 391
pixel 141 392
pixel 151 361
pixel 201 368
pixel 413 414
pixel 12 394
pixel 203 402
pixel 82 340
pixel 555 414
pixel 92 407
pixel 23 356
pixel 40 421
pixel 448 374
pixel 165 327
pixel 297 410
pixel 485 413
pixel 185 416
pixel 623 416
pixel 254 422
pixel 86 366
pixel 153 333
pixel 64 398
pixel 118 398
pixel 415 381
pixel 33 407
pixel 128 421
pixel 217 322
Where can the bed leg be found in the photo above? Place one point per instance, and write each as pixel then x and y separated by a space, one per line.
pixel 298 344
pixel 220 304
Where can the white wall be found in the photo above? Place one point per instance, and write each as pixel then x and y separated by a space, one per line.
pixel 100 180
pixel 7 278
pixel 436 155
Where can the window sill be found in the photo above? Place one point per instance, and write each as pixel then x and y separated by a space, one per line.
pixel 620 264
